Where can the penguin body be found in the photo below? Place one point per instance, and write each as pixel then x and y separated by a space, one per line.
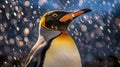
pixel 61 51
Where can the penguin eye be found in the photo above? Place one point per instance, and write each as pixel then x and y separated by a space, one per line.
pixel 55 15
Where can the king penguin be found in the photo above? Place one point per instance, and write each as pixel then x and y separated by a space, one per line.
pixel 60 51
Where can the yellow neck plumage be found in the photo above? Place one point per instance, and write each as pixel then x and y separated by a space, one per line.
pixel 64 38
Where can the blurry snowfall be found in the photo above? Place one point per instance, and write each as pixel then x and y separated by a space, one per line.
pixel 97 33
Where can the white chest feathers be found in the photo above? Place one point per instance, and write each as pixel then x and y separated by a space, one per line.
pixel 62 53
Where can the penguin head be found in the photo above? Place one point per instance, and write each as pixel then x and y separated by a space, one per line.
pixel 59 20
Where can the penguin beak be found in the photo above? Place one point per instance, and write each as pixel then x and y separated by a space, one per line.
pixel 72 15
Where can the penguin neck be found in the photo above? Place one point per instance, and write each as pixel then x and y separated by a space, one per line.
pixel 65 35
pixel 64 32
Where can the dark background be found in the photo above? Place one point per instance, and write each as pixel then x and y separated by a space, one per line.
pixel 97 33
